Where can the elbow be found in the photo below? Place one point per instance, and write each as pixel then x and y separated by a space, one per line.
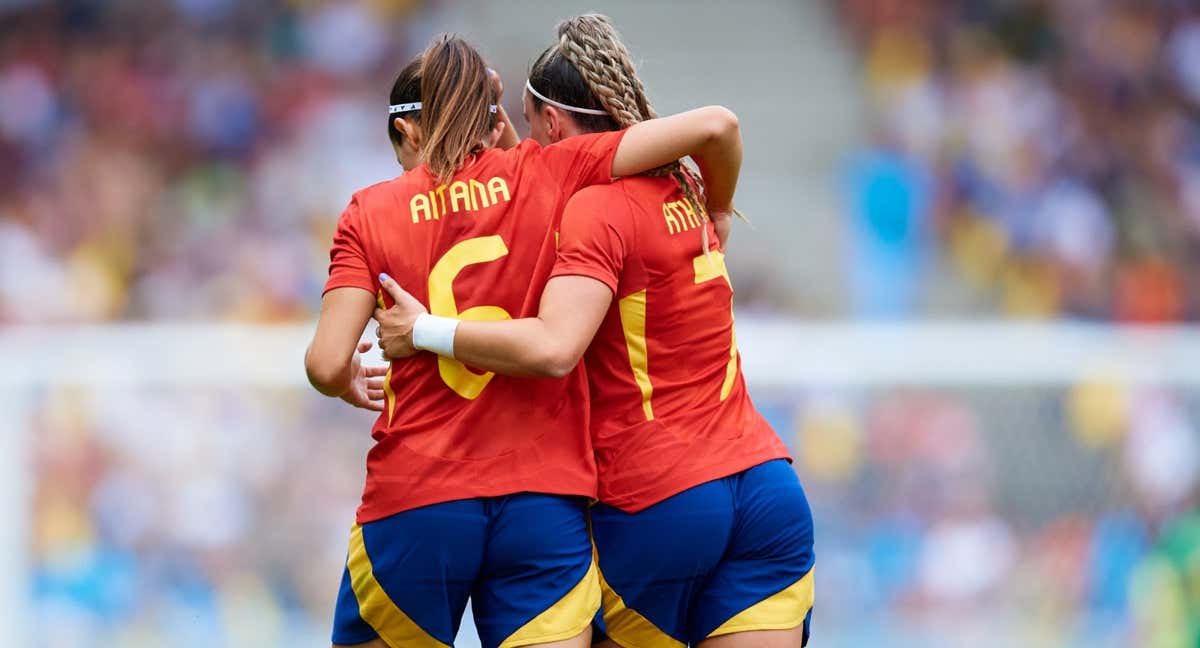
pixel 723 124
pixel 554 363
pixel 326 377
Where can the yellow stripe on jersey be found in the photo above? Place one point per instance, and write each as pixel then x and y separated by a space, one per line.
pixel 633 325
pixel 708 267
pixel 627 626
pixel 780 611
pixel 569 616
pixel 388 393
pixel 731 368
pixel 374 604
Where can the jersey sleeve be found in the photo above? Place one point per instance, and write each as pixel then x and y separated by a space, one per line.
pixel 348 266
pixel 595 237
pixel 583 160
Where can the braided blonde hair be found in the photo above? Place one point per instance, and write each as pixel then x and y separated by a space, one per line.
pixel 593 47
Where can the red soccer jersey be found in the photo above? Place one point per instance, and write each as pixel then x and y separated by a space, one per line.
pixel 669 405
pixel 479 247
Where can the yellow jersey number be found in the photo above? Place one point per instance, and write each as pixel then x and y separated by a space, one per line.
pixel 456 375
pixel 632 308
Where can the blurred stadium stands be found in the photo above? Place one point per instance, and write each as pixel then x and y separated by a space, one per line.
pixel 170 174
pixel 1045 154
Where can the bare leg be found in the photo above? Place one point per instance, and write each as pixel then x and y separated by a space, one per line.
pixel 581 640
pixel 791 638
pixel 374 643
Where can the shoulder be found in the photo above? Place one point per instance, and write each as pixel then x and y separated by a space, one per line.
pixel 384 194
pixel 628 193
pixel 610 197
pixel 527 148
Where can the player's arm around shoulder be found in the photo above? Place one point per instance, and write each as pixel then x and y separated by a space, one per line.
pixel 710 135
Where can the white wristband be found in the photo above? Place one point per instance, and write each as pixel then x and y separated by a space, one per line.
pixel 433 333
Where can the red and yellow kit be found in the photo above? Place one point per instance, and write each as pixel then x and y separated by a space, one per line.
pixel 479 247
pixel 669 405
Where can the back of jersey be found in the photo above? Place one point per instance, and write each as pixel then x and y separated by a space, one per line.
pixel 669 405
pixel 478 247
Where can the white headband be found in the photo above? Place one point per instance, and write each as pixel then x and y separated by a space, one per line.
pixel 416 105
pixel 405 107
pixel 586 111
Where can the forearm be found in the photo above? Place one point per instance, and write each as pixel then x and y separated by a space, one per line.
pixel 328 377
pixel 524 347
pixel 330 357
pixel 508 138
pixel 720 162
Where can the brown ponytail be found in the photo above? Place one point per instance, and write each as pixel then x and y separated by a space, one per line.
pixel 456 95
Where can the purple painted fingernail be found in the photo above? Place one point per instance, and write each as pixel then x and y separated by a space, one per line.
pixel 383 276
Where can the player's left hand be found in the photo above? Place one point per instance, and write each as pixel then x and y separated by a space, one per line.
pixel 366 383
pixel 396 323
pixel 723 223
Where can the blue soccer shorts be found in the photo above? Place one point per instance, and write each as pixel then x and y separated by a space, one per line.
pixel 730 555
pixel 525 561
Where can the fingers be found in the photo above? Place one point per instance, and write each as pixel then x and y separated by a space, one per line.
pixel 405 301
pixel 497 133
pixel 374 405
pixel 384 352
pixel 375 394
pixel 375 372
pixel 393 288
pixel 379 313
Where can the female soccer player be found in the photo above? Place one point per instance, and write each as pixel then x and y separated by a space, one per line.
pixel 475 486
pixel 404 115
pixel 703 533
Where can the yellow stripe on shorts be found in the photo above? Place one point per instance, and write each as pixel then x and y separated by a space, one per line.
pixel 780 611
pixel 628 627
pixel 376 607
pixel 568 617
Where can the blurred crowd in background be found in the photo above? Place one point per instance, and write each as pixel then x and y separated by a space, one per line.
pixel 187 158
pixel 946 517
pixel 1045 152
pixel 1029 159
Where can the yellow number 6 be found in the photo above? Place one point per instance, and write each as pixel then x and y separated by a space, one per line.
pixel 483 249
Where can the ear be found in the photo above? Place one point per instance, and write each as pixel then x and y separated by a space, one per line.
pixel 554 122
pixel 410 130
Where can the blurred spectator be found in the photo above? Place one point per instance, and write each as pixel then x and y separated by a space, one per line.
pixel 1063 142
pixel 185 159
pixel 889 203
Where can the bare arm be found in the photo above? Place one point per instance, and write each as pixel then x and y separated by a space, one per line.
pixel 508 135
pixel 330 360
pixel 710 135
pixel 549 345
